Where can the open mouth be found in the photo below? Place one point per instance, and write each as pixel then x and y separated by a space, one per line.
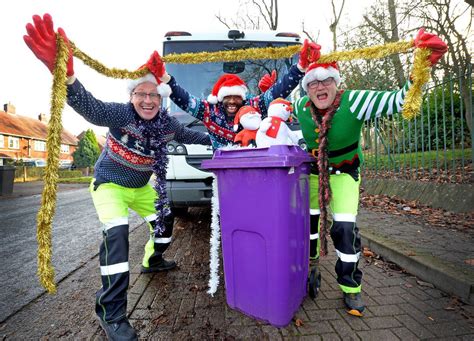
pixel 322 97
pixel 147 108
pixel 231 108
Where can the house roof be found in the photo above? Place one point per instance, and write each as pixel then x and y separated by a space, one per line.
pixel 14 124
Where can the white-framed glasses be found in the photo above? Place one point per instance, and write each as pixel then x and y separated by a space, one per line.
pixel 142 95
pixel 325 82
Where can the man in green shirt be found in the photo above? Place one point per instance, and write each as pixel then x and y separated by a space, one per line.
pixel 331 120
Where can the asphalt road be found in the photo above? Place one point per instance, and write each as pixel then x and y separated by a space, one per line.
pixel 76 239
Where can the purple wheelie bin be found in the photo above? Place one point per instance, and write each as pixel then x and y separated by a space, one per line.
pixel 264 214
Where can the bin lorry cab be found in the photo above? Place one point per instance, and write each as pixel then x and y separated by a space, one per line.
pixel 187 183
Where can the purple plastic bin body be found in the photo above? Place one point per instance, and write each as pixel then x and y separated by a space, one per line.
pixel 264 214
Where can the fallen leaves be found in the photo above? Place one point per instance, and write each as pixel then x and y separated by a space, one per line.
pixel 161 319
pixel 460 174
pixel 367 253
pixel 425 284
pixel 433 217
pixel 298 322
pixel 454 304
pixel 469 261
pixel 371 258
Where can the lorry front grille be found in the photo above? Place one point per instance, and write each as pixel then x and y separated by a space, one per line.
pixel 195 160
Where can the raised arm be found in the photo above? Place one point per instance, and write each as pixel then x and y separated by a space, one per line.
pixel 112 115
pixel 369 104
pixel 188 136
pixel 41 39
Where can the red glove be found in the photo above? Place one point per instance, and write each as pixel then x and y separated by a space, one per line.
pixel 267 81
pixel 310 52
pixel 41 39
pixel 156 65
pixel 432 42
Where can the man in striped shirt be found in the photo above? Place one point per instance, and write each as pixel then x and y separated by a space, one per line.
pixel 331 122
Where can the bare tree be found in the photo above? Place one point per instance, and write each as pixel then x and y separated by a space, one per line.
pixel 333 25
pixel 380 25
pixel 445 18
pixel 389 35
pixel 308 34
pixel 238 22
pixel 246 19
pixel 269 12
pixel 223 20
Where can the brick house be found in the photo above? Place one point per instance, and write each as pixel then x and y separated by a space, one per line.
pixel 24 138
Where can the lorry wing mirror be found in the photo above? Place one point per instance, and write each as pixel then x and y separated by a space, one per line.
pixel 234 67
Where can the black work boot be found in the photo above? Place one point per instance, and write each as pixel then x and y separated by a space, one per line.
pixel 354 304
pixel 163 265
pixel 119 331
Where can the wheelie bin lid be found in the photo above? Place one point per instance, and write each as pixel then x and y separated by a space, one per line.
pixel 274 156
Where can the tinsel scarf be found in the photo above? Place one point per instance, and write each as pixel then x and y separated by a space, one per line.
pixel 153 130
pixel 324 124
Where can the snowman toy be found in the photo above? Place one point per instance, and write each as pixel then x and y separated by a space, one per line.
pixel 273 129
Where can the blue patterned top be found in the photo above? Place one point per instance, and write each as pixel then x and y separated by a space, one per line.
pixel 128 155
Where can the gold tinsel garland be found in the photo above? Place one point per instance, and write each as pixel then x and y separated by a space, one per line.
pixel 412 100
pixel 420 76
pixel 53 142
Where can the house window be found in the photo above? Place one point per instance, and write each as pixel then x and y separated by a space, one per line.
pixel 13 142
pixel 40 146
pixel 65 148
pixel 2 141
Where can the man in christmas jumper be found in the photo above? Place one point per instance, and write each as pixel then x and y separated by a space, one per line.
pixel 331 122
pixel 135 149
pixel 229 94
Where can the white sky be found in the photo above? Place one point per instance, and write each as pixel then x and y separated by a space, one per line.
pixel 122 34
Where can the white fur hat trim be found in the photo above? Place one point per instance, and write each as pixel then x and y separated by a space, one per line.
pixel 163 89
pixel 320 73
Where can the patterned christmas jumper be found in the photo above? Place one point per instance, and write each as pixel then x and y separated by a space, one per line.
pixel 214 116
pixel 134 150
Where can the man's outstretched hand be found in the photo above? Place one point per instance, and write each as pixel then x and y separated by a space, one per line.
pixel 310 53
pixel 156 66
pixel 267 81
pixel 433 42
pixel 41 39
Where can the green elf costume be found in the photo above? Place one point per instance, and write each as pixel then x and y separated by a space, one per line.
pixel 337 130
pixel 331 122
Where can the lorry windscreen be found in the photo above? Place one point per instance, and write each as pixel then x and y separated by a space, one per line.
pixel 198 79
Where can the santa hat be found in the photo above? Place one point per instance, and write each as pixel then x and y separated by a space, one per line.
pixel 246 109
pixel 227 85
pixel 163 89
pixel 321 71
